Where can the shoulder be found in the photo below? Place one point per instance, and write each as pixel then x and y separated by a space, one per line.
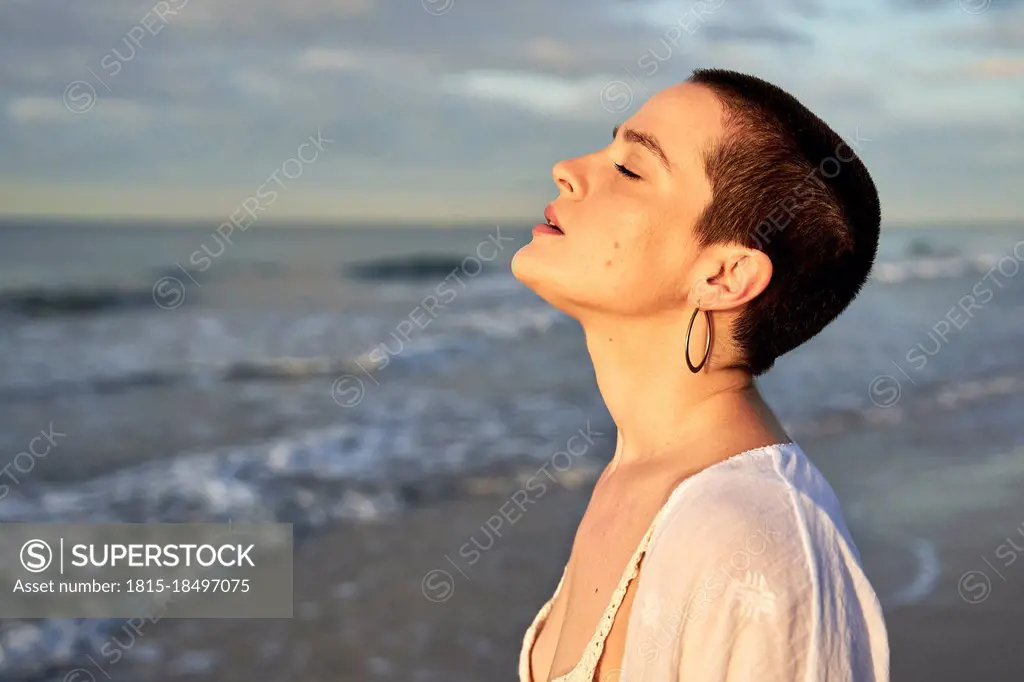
pixel 767 505
pixel 725 583
pixel 750 569
pixel 760 526
pixel 735 530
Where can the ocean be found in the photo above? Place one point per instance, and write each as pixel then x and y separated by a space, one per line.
pixel 313 376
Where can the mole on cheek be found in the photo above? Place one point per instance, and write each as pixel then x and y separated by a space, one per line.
pixel 616 245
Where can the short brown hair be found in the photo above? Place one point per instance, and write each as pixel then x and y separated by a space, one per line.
pixel 785 183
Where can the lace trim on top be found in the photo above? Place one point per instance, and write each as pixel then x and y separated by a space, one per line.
pixel 584 669
pixel 587 665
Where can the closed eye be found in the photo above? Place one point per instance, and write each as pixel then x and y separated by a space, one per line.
pixel 626 172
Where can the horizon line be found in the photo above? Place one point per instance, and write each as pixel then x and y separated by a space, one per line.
pixel 285 222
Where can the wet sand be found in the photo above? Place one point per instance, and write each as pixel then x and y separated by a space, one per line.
pixel 398 600
pixel 371 603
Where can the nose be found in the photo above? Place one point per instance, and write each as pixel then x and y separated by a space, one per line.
pixel 567 178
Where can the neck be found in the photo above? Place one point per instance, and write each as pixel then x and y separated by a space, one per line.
pixel 665 413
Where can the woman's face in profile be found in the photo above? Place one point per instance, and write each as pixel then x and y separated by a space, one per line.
pixel 627 211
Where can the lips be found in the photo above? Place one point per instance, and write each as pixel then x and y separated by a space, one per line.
pixel 552 219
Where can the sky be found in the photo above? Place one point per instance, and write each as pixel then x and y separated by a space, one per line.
pixel 405 110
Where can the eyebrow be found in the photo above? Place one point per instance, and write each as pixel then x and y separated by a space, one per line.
pixel 647 141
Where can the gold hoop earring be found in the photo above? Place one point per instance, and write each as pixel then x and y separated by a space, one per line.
pixel 707 345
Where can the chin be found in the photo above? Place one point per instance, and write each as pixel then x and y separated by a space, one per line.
pixel 534 268
pixel 548 279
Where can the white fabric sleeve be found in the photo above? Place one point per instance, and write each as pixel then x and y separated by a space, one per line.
pixel 746 579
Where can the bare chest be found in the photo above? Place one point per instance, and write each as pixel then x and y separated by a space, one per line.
pixel 604 546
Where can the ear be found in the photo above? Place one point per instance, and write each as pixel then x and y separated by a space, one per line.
pixel 730 276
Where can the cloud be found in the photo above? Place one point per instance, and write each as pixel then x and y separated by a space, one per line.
pixel 537 92
pixel 328 59
pixel 997 67
pixel 995 31
pixel 764 33
pixel 32 111
pixel 977 7
pixel 466 109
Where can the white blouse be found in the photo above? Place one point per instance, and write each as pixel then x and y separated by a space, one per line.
pixel 750 574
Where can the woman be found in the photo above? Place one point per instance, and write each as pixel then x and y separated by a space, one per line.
pixel 723 226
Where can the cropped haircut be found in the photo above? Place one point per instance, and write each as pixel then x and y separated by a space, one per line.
pixel 783 182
